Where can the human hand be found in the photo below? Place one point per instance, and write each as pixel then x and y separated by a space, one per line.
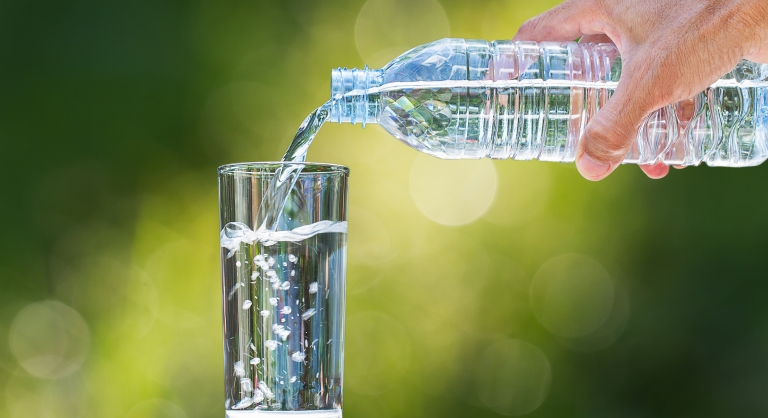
pixel 670 51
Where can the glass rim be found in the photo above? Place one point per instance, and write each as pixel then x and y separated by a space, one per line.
pixel 268 167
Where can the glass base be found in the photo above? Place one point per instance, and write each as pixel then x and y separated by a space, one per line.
pixel 255 413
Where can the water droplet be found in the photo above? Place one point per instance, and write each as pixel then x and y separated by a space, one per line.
pixel 270 344
pixel 293 379
pixel 286 285
pixel 286 310
pixel 265 313
pixel 298 356
pixel 292 258
pixel 255 361
pixel 254 275
pixel 271 261
pixel 273 301
pixel 247 304
pixel 313 287
pixel 238 264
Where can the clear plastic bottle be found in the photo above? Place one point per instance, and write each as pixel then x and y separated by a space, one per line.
pixel 458 98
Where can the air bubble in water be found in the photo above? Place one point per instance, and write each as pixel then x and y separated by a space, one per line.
pixel 239 369
pixel 286 310
pixel 267 392
pixel 271 261
pixel 293 379
pixel 254 275
pixel 258 396
pixel 246 384
pixel 244 403
pixel 286 285
pixel 313 287
pixel 276 284
pixel 238 264
pixel 281 331
pixel 255 361
pixel 247 304
pixel 270 344
pixel 273 301
pixel 292 258
pixel 293 273
pixel 298 356
pixel 271 273
pixel 264 313
pixel 308 314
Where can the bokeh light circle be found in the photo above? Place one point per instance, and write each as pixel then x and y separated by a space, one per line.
pixel 387 28
pixel 377 352
pixel 513 377
pixel 609 331
pixel 452 192
pixel 572 295
pixel 49 339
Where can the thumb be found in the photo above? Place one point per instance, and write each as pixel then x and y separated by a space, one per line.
pixel 609 135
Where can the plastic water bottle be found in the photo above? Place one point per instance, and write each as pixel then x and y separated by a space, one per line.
pixel 458 98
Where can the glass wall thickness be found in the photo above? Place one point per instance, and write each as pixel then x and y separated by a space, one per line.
pixel 283 290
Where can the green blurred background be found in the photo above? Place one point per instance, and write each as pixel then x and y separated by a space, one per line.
pixel 474 288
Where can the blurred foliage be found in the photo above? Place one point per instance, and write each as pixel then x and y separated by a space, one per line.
pixel 114 116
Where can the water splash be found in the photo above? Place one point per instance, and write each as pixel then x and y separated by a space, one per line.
pixel 235 233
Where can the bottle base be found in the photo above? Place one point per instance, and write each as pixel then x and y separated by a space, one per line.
pixel 255 413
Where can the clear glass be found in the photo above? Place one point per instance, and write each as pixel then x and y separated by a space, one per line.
pixel 283 290
pixel 460 98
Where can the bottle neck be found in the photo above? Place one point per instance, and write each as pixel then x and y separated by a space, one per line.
pixel 351 91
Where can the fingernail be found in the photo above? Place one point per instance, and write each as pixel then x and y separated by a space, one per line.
pixel 591 169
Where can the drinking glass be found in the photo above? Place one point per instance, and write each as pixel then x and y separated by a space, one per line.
pixel 283 270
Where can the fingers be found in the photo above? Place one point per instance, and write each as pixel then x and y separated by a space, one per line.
pixel 565 22
pixel 655 171
pixel 596 39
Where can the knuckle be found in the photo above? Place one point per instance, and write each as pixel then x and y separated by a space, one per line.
pixel 528 26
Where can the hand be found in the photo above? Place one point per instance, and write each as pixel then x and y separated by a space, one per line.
pixel 670 50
